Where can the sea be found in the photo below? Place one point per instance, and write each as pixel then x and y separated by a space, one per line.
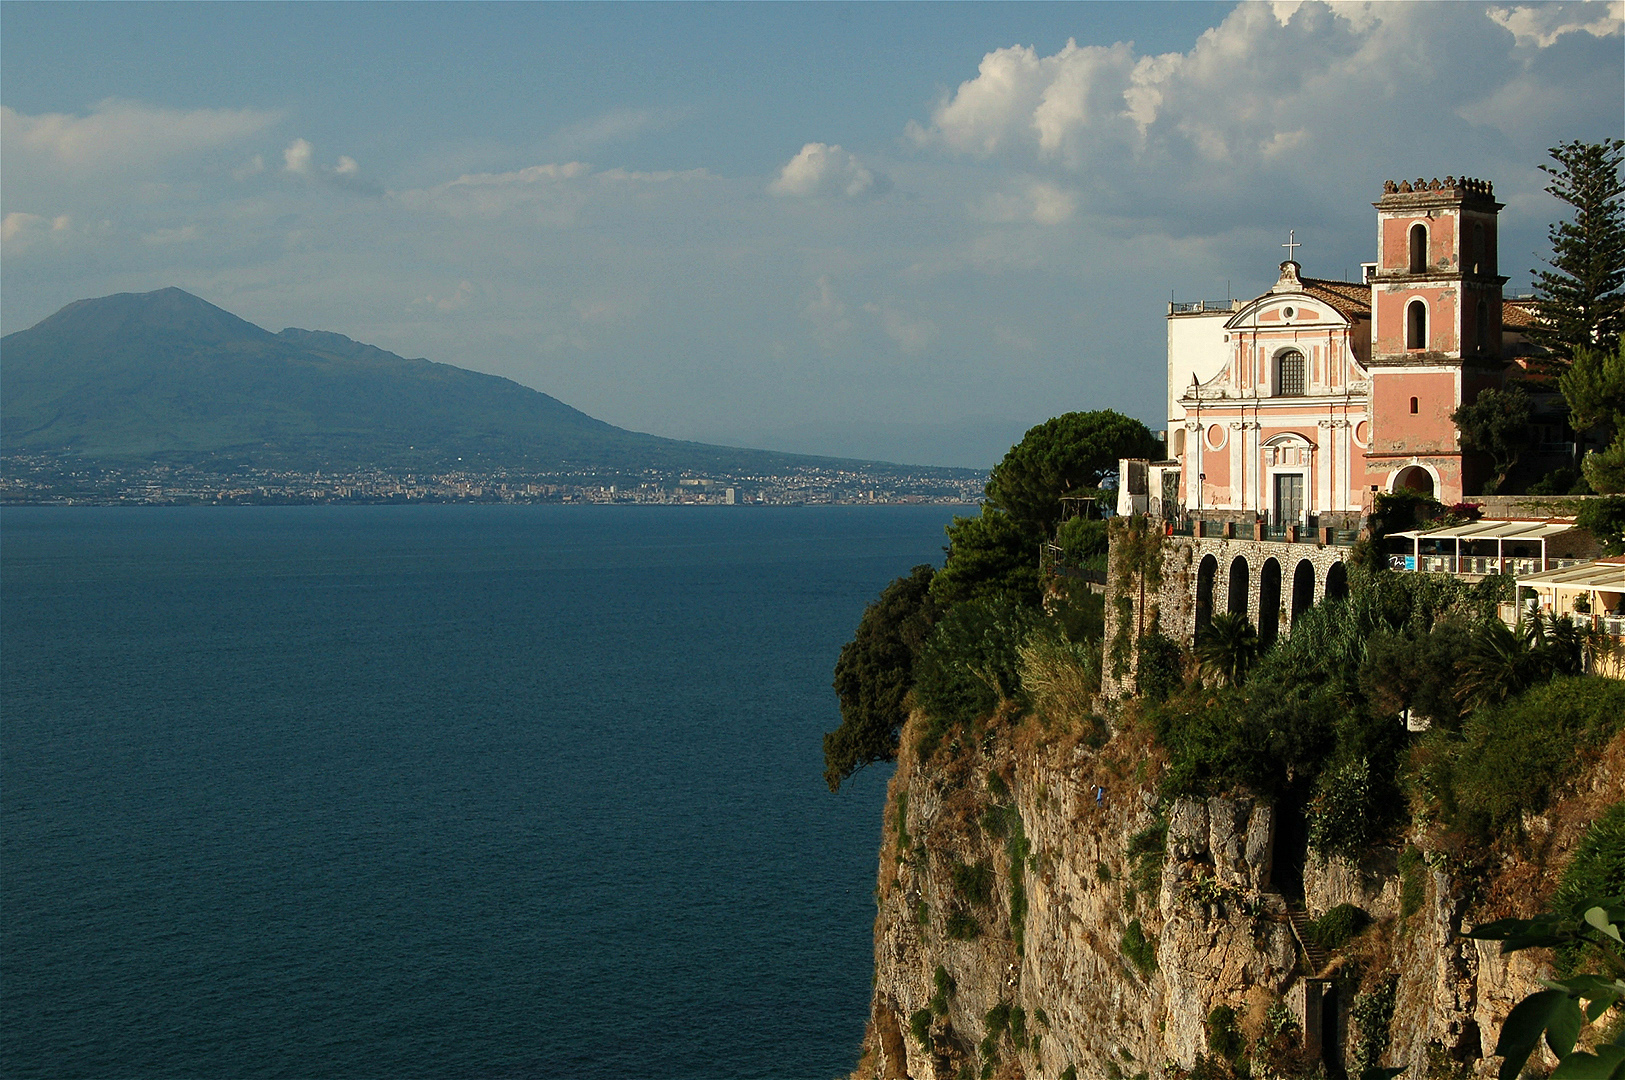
pixel 435 791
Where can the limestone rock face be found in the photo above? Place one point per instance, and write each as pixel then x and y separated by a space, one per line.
pixel 1040 910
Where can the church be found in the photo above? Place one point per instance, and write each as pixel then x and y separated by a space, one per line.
pixel 1296 406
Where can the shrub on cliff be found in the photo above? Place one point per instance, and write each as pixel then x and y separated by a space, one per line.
pixel 1509 758
pixel 990 555
pixel 971 661
pixel 875 673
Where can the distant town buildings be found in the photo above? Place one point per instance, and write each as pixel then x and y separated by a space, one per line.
pixel 64 480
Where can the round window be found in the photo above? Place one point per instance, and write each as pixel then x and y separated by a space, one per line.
pixel 1289 312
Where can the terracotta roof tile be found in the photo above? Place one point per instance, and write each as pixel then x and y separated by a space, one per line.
pixel 1518 314
pixel 1351 299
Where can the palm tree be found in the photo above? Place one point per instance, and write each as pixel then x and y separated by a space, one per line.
pixel 1497 666
pixel 1228 647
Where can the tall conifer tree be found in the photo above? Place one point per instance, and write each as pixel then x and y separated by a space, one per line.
pixel 1582 296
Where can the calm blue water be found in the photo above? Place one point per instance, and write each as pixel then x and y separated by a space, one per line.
pixel 434 791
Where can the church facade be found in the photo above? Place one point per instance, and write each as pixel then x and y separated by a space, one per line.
pixel 1296 405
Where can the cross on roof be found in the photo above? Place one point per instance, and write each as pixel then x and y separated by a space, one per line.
pixel 1290 244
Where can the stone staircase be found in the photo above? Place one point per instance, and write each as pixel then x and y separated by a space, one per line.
pixel 1299 920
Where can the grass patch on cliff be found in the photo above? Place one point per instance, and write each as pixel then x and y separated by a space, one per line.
pixel 1140 950
pixel 974 881
pixel 962 925
pixel 1412 882
pixel 1146 852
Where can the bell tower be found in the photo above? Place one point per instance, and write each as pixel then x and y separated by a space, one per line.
pixel 1435 329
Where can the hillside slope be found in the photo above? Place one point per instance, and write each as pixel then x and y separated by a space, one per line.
pixel 166 376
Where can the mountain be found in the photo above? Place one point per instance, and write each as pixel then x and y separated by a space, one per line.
pixel 165 376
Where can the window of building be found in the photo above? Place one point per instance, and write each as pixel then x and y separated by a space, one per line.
pixel 1291 377
pixel 1414 409
pixel 1419 248
pixel 1416 325
pixel 1483 338
pixel 1479 261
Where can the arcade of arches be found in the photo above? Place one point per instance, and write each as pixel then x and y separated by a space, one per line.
pixel 1269 582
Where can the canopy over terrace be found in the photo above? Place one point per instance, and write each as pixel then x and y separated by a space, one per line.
pixel 1600 585
pixel 1484 547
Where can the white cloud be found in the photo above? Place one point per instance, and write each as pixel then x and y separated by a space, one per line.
pixel 347 166
pixel 18 224
pixel 1267 99
pixel 552 195
pixel 1541 25
pixel 184 234
pixel 125 134
pixel 455 301
pixel 252 167
pixel 827 312
pixel 617 125
pixel 911 333
pixel 297 157
pixel 823 170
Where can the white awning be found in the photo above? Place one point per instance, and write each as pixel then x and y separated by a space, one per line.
pixel 1493 530
pixel 1606 575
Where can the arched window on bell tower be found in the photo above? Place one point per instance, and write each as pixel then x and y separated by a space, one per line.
pixel 1483 338
pixel 1416 325
pixel 1419 248
pixel 1480 252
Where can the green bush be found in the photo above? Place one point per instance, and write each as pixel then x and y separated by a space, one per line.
pixel 875 673
pixel 920 1024
pixel 1160 670
pixel 945 987
pixel 971 661
pixel 1605 519
pixel 1083 542
pixel 1140 950
pixel 1017 849
pixel 1373 1011
pixel 974 882
pixel 962 925
pixel 1596 870
pixel 1509 758
pixel 1412 882
pixel 1336 928
pixel 1340 820
pixel 1224 1037
pixel 1146 851
pixel 988 556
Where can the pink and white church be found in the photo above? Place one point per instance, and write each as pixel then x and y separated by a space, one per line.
pixel 1294 406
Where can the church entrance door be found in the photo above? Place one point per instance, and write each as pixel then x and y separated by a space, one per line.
pixel 1288 499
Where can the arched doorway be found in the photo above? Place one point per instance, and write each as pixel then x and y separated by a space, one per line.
pixel 1337 582
pixel 1414 478
pixel 1205 573
pixel 1303 588
pixel 1238 586
pixel 1269 601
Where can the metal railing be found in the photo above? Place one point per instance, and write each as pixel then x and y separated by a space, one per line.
pixel 1481 565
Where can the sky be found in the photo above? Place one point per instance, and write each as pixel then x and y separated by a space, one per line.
pixel 897 231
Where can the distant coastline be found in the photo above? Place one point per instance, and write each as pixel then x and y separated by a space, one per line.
pixel 49 480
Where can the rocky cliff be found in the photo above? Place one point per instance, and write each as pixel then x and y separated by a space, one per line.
pixel 1042 913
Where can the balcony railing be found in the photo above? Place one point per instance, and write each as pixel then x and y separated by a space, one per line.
pixel 1480 565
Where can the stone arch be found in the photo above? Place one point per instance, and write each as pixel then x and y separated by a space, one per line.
pixel 1206 571
pixel 1303 588
pixel 1417 478
pixel 1238 586
pixel 1337 582
pixel 1269 601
